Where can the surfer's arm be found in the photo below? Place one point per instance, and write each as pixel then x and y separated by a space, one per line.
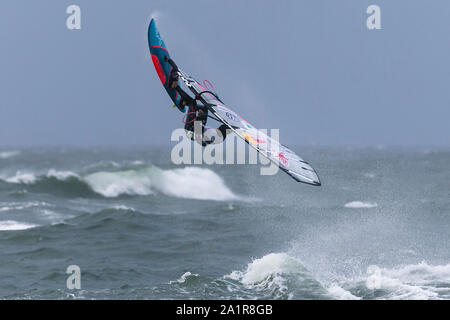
pixel 178 95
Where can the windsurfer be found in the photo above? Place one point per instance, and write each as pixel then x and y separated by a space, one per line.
pixel 195 113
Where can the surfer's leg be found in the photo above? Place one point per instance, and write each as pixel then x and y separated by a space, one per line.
pixel 223 131
pixel 189 122
pixel 209 135
pixel 214 136
pixel 199 138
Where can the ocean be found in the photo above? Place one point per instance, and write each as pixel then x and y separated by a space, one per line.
pixel 139 227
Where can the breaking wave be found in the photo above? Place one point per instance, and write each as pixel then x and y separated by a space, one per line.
pixel 185 277
pixel 338 293
pixel 21 177
pixel 189 183
pixel 11 225
pixel 279 276
pixel 55 182
pixel 415 282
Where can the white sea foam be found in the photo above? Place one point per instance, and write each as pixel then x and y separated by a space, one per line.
pixel 189 183
pixel 341 294
pixel 113 184
pixel 9 225
pixel 184 277
pixel 9 154
pixel 194 183
pixel 282 274
pixel 271 264
pixel 411 282
pixel 419 281
pixel 51 214
pixel 124 208
pixel 271 272
pixel 10 206
pixel 22 177
pixel 102 164
pixel 61 175
pixel 360 204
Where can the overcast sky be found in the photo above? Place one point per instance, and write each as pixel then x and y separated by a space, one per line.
pixel 310 68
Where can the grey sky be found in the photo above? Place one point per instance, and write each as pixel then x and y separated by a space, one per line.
pixel 310 68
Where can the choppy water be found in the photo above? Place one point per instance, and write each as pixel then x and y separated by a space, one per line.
pixel 139 227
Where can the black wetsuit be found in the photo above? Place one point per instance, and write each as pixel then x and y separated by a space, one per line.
pixel 194 112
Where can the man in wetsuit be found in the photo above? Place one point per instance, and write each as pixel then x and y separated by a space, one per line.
pixel 194 113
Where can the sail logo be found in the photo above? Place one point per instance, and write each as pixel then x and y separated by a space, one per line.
pixel 158 37
pixel 283 158
pixel 232 117
pixel 252 139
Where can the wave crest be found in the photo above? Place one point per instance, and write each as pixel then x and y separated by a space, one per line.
pixel 185 277
pixel 189 183
pixel 414 282
pixel 279 276
pixel 11 225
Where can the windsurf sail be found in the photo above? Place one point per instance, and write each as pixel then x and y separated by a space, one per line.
pixel 285 158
